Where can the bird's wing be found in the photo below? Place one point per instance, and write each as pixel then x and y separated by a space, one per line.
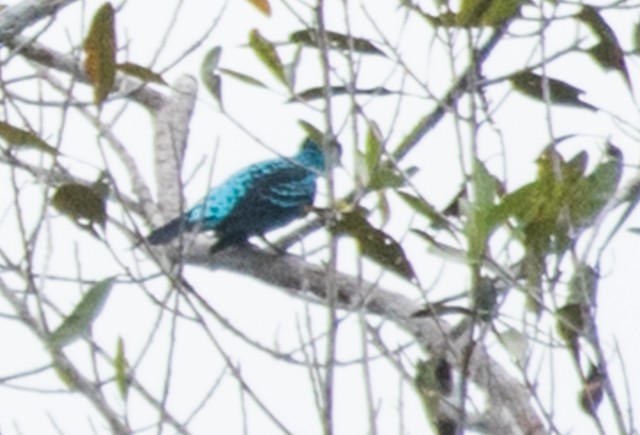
pixel 291 186
pixel 221 200
pixel 274 199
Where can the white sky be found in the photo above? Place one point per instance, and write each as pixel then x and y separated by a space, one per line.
pixel 270 316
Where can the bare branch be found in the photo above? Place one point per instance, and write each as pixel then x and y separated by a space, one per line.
pixel 14 19
pixel 171 132
pixel 510 407
pixel 133 89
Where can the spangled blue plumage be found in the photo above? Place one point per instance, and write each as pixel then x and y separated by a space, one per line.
pixel 259 198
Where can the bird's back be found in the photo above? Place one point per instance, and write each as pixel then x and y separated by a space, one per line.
pixel 223 199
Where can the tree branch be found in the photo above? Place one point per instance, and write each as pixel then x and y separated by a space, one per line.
pixel 510 405
pixel 171 132
pixel 134 89
pixel 14 19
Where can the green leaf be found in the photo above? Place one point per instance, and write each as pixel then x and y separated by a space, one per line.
pixel 373 147
pixel 434 382
pixel 583 288
pixel 211 59
pixel 428 387
pixel 362 173
pixel 143 73
pixel 121 367
pixel 478 225
pixel 592 392
pixel 65 375
pixel 374 244
pixel 212 81
pixel 386 176
pixel 608 52
pixel 316 93
pixel 314 133
pixel 319 92
pixel 293 68
pixel 242 77
pixel 490 13
pixel 80 202
pixel 499 11
pixel 485 187
pixel 446 19
pixel 520 204
pixel 540 209
pixel 423 207
pixel 383 207
pixel 533 265
pixel 434 375
pixel 549 200
pixel 591 194
pixel 540 202
pixel 267 53
pixel 537 205
pixel 471 11
pixel 574 169
pixel 19 137
pixel 335 41
pixel 608 58
pixel 560 92
pixel 366 164
pixel 636 38
pixel 570 325
pixel 100 50
pixel 83 315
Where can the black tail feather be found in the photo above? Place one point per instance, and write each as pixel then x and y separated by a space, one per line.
pixel 167 232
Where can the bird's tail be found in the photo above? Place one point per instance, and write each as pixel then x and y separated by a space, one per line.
pixel 167 232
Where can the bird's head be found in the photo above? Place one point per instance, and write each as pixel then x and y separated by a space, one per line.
pixel 313 156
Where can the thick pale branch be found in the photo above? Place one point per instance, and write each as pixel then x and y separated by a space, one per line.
pixel 171 132
pixel 171 116
pixel 510 401
pixel 14 19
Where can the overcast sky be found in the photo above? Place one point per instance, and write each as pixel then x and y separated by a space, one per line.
pixel 217 147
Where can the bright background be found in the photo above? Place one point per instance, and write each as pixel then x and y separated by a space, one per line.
pixel 218 147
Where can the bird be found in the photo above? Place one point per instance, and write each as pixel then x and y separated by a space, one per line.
pixel 257 199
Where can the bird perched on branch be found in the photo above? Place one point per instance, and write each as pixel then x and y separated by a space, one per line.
pixel 262 197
